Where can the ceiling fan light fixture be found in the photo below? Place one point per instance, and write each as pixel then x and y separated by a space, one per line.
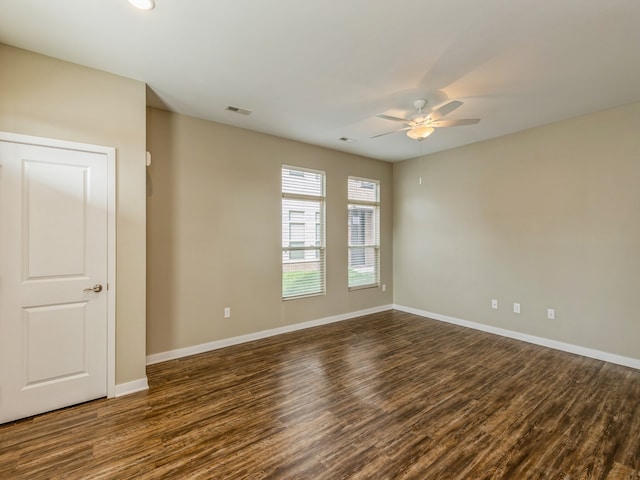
pixel 420 132
pixel 143 4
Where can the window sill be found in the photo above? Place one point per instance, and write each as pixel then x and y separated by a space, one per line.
pixel 298 297
pixel 362 287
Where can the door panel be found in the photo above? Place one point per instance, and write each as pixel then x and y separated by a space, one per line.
pixel 53 249
pixel 46 361
pixel 54 195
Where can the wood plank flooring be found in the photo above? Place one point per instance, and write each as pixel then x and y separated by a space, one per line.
pixel 385 396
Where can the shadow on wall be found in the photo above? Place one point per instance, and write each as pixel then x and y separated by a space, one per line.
pixel 161 275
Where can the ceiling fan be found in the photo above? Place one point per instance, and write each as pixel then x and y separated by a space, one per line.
pixel 421 124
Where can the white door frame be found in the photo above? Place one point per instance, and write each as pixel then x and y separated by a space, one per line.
pixel 110 153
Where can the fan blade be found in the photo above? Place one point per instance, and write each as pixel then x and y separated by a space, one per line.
pixel 445 109
pixel 393 131
pixel 454 123
pixel 395 119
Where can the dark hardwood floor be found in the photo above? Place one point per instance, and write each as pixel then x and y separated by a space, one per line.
pixel 385 396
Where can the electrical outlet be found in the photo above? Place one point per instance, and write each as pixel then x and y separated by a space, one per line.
pixel 227 312
pixel 516 308
pixel 384 287
pixel 551 313
pixel 494 304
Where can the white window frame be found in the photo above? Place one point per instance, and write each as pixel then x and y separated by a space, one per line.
pixel 376 244
pixel 319 248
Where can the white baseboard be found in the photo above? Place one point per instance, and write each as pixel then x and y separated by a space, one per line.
pixel 227 342
pixel 131 387
pixel 544 342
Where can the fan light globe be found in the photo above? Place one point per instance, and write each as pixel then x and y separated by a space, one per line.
pixel 420 132
pixel 143 4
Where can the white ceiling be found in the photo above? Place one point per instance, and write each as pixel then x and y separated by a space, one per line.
pixel 317 71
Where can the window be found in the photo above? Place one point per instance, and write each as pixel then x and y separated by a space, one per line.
pixel 296 234
pixel 303 226
pixel 364 233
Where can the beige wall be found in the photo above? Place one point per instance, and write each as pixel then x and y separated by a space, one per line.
pixel 548 217
pixel 214 232
pixel 46 97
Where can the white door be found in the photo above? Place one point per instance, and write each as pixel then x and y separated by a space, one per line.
pixel 53 251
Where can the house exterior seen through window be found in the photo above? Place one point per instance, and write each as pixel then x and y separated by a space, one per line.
pixel 364 233
pixel 303 227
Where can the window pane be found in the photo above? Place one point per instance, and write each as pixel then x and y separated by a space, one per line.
pixel 363 190
pixel 299 221
pixel 363 266
pixel 302 182
pixel 303 277
pixel 363 229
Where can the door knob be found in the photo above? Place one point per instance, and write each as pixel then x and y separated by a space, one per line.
pixel 96 288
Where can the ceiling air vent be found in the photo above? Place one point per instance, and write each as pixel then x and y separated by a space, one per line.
pixel 241 111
